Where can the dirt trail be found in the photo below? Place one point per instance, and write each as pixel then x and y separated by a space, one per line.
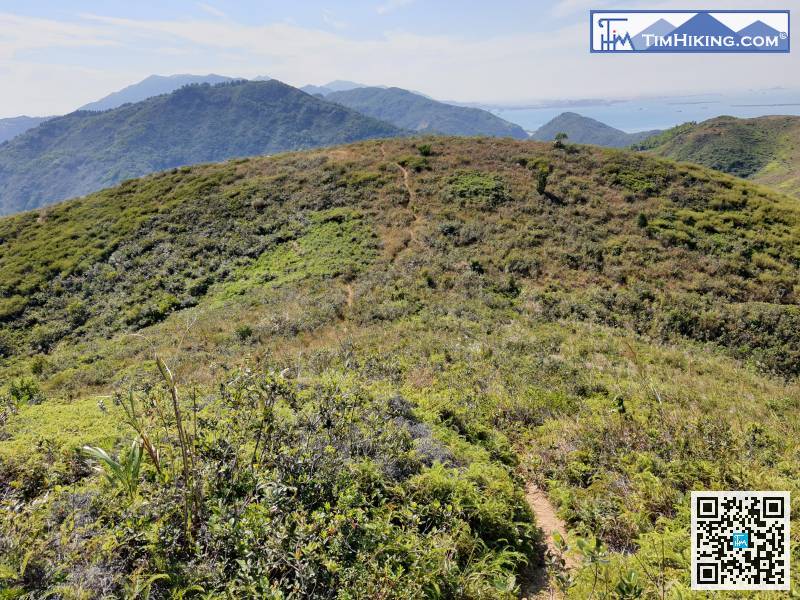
pixel 547 519
pixel 412 203
pixel 412 198
pixel 535 586
pixel 407 184
pixel 350 295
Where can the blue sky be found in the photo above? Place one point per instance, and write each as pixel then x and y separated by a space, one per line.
pixel 57 55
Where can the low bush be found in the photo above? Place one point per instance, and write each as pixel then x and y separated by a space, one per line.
pixel 477 189
pixel 291 490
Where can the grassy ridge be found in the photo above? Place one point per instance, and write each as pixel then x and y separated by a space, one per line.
pixel 623 338
pixel 763 149
pixel 670 251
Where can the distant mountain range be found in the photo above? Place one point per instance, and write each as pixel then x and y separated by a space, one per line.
pixel 86 151
pixel 12 127
pixel 184 119
pixel 418 113
pixel 96 147
pixel 316 90
pixel 452 119
pixel 584 130
pixel 155 85
pixel 763 149
pixel 337 85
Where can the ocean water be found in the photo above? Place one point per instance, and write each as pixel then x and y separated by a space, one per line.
pixel 642 114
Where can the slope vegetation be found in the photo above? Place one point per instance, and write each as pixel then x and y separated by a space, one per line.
pixel 764 149
pixel 414 112
pixel 86 151
pixel 365 353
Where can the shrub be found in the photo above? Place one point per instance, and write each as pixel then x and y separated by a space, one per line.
pixel 305 488
pixel 478 189
pixel 542 173
pixel 24 391
pixel 77 312
pixel 243 332
pixel 38 365
pixel 415 163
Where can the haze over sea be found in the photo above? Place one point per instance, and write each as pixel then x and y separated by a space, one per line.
pixel 641 114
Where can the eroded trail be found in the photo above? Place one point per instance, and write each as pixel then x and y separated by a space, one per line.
pixel 412 198
pixel 407 184
pixel 547 519
pixel 535 585
pixel 412 203
pixel 350 295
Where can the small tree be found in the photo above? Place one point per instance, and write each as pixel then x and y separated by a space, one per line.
pixel 425 149
pixel 558 141
pixel 543 170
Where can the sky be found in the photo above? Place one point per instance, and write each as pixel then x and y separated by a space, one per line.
pixel 56 55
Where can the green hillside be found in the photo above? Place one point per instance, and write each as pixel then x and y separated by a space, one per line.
pixel 584 130
pixel 415 112
pixel 85 151
pixel 764 149
pixel 332 373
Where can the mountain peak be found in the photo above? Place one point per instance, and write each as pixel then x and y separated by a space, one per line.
pixel 153 85
pixel 342 85
pixel 585 130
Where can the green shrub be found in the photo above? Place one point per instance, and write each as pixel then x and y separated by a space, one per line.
pixel 77 312
pixel 362 178
pixel 542 173
pixel 24 391
pixel 478 189
pixel 303 487
pixel 415 163
pixel 243 332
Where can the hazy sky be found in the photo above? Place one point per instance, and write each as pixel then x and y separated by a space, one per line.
pixel 56 55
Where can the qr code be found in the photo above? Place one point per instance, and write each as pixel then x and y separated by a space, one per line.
pixel 740 540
